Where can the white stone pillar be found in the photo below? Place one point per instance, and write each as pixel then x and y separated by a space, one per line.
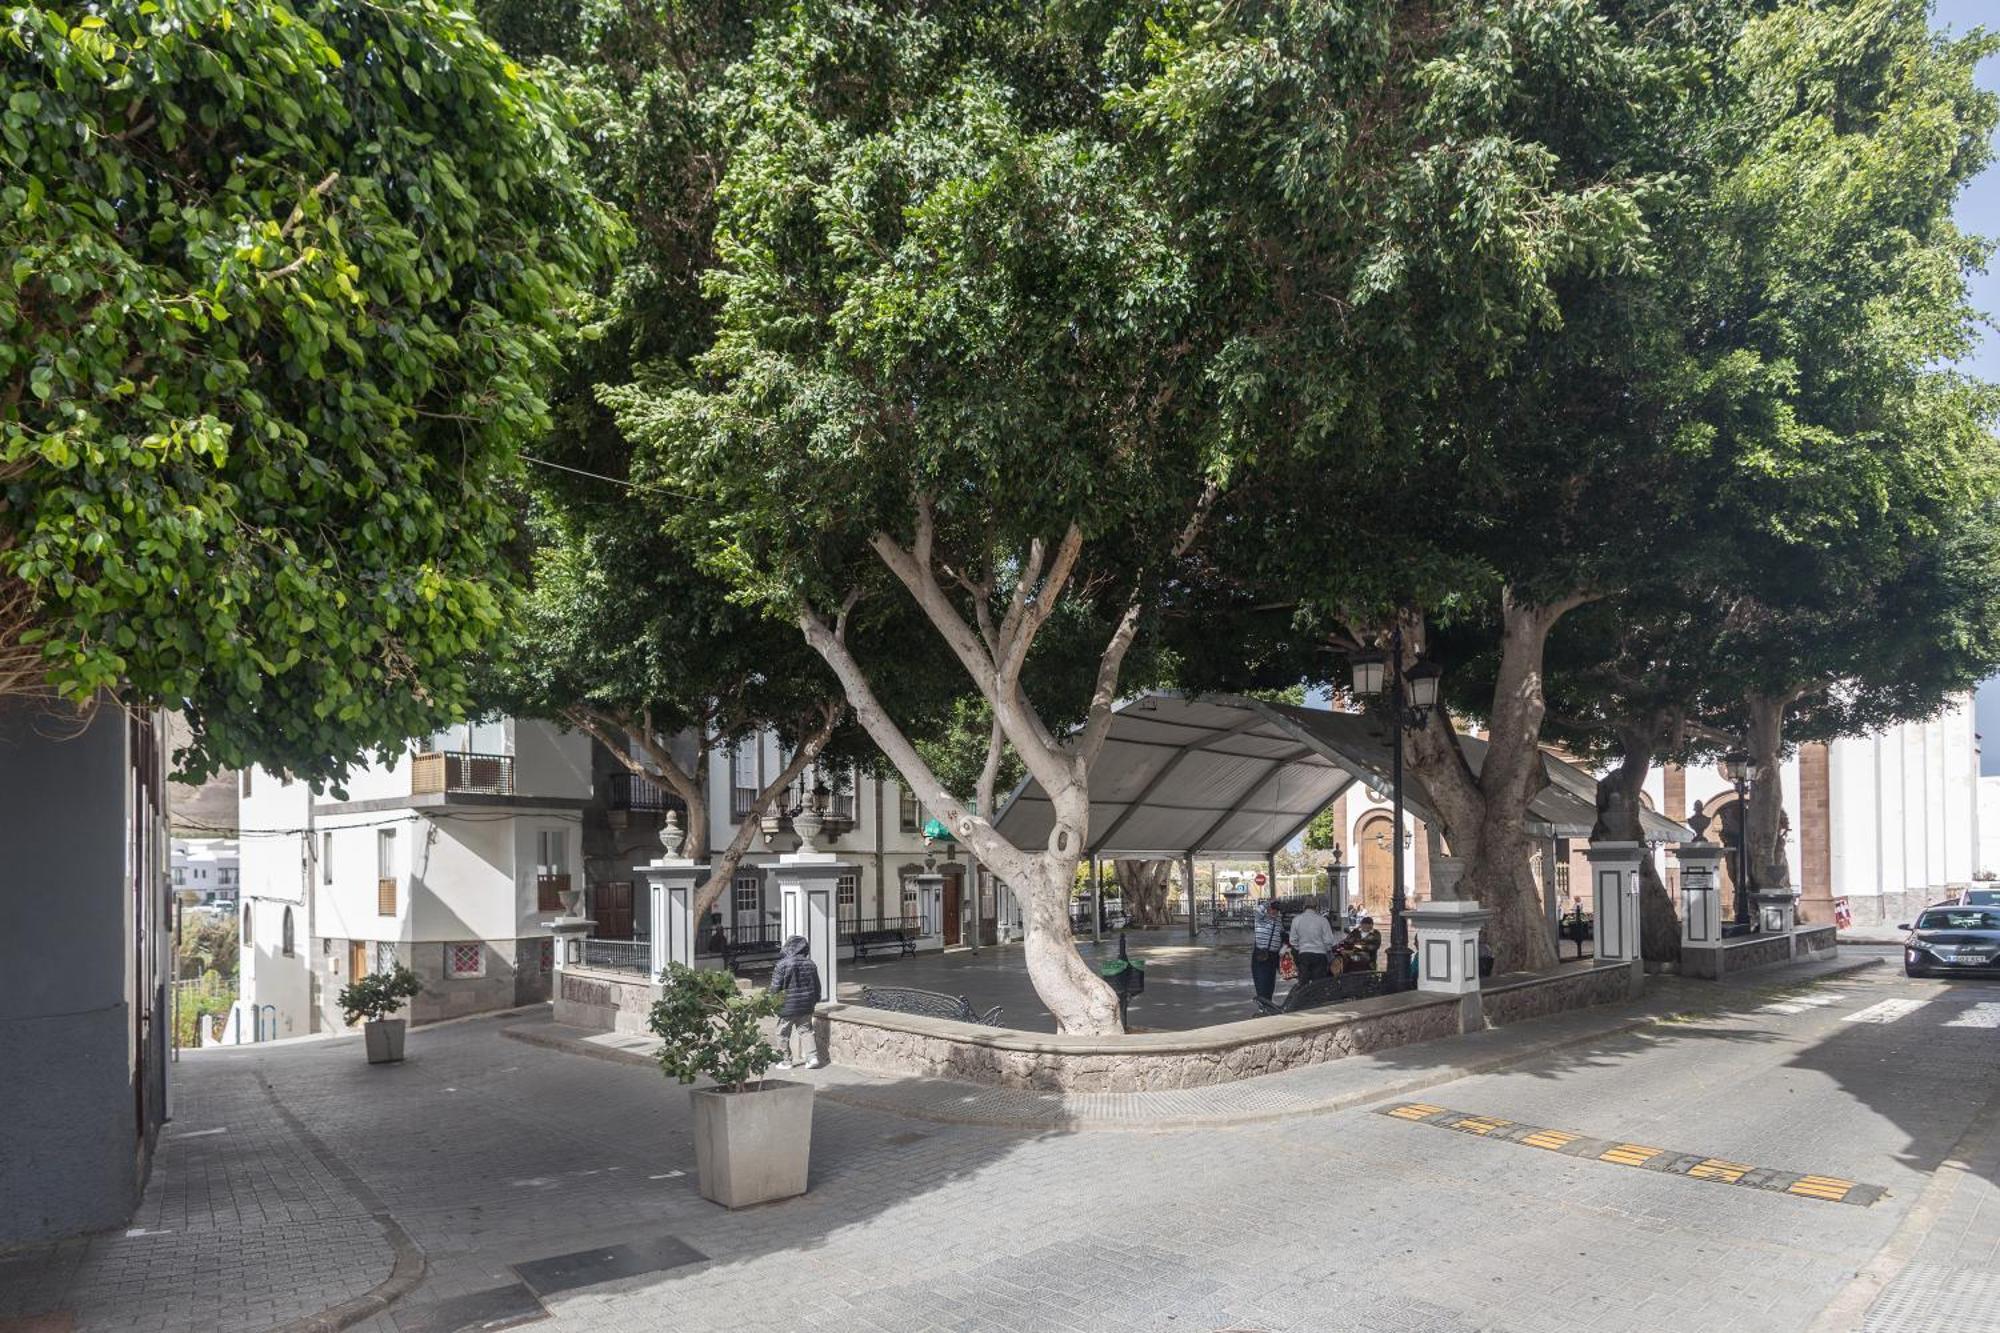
pixel 671 883
pixel 1701 893
pixel 808 885
pixel 1447 942
pixel 1614 888
pixel 1777 910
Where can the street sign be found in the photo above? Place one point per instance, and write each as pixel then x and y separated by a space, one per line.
pixel 1258 879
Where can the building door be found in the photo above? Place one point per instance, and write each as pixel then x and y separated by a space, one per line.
pixel 954 893
pixel 613 910
pixel 357 962
pixel 1378 868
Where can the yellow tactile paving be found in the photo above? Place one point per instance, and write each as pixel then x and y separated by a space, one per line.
pixel 1551 1139
pixel 1820 1187
pixel 1629 1154
pixel 1714 1168
pixel 1480 1124
pixel 1415 1111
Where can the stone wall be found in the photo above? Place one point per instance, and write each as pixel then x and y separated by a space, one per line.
pixel 1515 999
pixel 603 1001
pixel 511 977
pixel 1737 955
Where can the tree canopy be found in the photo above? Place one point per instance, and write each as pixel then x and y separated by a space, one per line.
pixel 283 293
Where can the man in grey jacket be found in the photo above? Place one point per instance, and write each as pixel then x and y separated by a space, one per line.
pixel 796 978
pixel 1312 941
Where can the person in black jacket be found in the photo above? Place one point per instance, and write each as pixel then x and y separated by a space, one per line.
pixel 796 978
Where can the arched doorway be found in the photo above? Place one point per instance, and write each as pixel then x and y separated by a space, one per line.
pixel 1727 812
pixel 1378 867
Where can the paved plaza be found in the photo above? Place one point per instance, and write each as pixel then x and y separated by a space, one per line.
pixel 490 1180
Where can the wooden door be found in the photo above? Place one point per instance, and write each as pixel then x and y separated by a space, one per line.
pixel 613 910
pixel 357 962
pixel 954 890
pixel 1378 868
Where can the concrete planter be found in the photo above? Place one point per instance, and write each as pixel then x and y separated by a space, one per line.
pixel 385 1039
pixel 752 1146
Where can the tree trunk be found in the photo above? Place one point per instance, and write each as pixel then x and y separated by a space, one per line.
pixel 1144 886
pixel 1770 868
pixel 1618 820
pixel 1485 816
pixel 1081 1001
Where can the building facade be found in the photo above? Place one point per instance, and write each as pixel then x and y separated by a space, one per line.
pixel 208 868
pixel 84 966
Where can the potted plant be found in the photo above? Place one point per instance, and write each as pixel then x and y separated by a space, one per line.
pixel 373 998
pixel 752 1135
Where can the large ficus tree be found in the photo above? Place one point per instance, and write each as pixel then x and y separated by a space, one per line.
pixel 280 298
pixel 956 368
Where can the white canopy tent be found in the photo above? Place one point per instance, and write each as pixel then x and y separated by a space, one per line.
pixel 1223 776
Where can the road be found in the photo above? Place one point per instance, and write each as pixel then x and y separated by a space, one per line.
pixel 1776 1166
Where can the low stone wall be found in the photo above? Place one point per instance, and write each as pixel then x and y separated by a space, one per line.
pixel 1748 951
pixel 1518 997
pixel 603 1000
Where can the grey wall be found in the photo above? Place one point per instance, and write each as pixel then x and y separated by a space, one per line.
pixel 72 1157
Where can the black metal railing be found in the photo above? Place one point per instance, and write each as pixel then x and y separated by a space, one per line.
pixel 913 921
pixel 647 795
pixel 618 955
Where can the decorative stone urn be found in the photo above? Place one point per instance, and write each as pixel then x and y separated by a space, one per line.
pixel 671 837
pixel 807 823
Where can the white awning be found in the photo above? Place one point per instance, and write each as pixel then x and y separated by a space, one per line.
pixel 1226 776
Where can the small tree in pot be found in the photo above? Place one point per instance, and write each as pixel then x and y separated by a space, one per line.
pixel 752 1135
pixel 373 998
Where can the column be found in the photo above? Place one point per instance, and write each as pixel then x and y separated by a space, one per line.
pixel 671 883
pixel 808 884
pixel 1614 887
pixel 1701 893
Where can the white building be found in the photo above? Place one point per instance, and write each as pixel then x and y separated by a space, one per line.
pixel 452 861
pixel 207 866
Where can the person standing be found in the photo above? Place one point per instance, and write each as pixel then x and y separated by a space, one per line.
pixel 1312 941
pixel 1265 945
pixel 796 978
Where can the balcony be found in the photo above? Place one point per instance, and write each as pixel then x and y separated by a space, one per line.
pixel 637 792
pixel 462 772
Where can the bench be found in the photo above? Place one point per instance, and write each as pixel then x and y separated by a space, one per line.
pixel 734 955
pixel 930 1004
pixel 1578 929
pixel 904 942
pixel 1341 988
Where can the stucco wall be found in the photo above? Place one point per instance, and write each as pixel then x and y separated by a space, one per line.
pixel 74 1158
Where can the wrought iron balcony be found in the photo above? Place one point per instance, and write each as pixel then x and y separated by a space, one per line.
pixel 647 795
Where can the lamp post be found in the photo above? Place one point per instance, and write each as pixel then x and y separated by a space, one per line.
pixel 1412 695
pixel 1736 766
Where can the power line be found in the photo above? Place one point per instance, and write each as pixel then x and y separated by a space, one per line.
pixel 626 482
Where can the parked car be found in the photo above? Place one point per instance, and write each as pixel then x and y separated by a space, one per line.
pixel 1953 939
pixel 1979 898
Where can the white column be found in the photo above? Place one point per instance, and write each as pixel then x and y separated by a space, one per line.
pixel 671 885
pixel 808 883
pixel 1614 887
pixel 1701 893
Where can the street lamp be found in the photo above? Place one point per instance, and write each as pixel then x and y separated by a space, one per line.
pixel 1736 767
pixel 1412 695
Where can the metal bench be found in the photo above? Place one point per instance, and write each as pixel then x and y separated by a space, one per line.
pixel 1578 929
pixel 735 953
pixel 904 942
pixel 930 1004
pixel 1342 988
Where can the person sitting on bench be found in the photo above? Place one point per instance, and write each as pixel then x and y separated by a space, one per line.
pixel 1359 950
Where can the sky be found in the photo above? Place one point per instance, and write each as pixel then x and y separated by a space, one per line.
pixel 1979 211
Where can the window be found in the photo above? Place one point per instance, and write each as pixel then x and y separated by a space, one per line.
pixel 180 875
pixel 326 858
pixel 246 781
pixel 548 952
pixel 291 941
pixel 385 871
pixel 749 896
pixel 249 911
pixel 385 955
pixel 464 960
pixel 551 869
pixel 847 892
pixel 743 783
pixel 907 811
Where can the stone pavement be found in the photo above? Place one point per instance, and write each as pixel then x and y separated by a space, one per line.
pixel 525 1175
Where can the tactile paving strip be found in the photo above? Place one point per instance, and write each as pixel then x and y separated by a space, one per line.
pixel 1831 1189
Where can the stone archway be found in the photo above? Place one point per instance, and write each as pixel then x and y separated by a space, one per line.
pixel 1377 865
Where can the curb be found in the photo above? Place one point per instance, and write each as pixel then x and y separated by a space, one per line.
pixel 410 1264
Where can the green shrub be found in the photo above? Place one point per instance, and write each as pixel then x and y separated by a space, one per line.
pixel 379 994
pixel 707 1028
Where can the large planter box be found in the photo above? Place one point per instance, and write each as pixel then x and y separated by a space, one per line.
pixel 385 1039
pixel 752 1146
